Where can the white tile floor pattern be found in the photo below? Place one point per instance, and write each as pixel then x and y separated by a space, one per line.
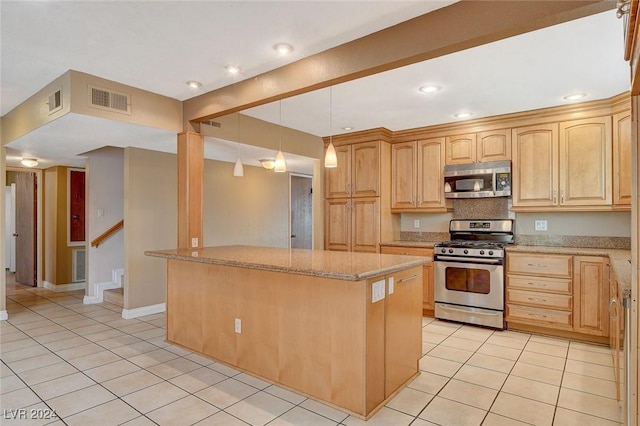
pixel 91 367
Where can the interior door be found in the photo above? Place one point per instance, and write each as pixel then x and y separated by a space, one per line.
pixel 26 228
pixel 301 212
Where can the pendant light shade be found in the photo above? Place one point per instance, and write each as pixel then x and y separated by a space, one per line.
pixel 238 169
pixel 330 158
pixel 281 164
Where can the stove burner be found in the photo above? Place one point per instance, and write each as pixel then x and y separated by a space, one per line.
pixel 471 244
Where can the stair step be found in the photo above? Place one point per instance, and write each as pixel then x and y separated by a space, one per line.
pixel 114 296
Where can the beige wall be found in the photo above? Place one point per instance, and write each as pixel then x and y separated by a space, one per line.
pixel 3 230
pixel 150 217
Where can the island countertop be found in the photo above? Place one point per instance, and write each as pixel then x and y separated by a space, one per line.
pixel 320 263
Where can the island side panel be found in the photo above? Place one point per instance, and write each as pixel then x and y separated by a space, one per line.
pixel 184 305
pixel 375 358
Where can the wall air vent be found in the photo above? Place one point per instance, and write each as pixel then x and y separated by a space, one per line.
pixel 55 101
pixel 109 100
pixel 212 123
pixel 78 265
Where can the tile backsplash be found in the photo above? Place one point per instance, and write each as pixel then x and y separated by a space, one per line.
pixel 481 208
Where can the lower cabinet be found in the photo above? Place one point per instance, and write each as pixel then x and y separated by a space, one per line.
pixel 563 294
pixel 427 272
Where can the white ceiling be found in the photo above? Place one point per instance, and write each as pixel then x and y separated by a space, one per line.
pixel 158 46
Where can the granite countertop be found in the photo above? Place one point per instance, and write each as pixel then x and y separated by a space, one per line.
pixel 328 264
pixel 417 244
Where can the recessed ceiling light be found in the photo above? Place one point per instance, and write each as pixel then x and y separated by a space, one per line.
pixel 347 128
pixel 463 114
pixel 283 48
pixel 430 88
pixel 575 96
pixel 232 69
pixel 194 84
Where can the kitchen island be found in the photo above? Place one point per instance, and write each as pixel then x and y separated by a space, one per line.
pixel 340 327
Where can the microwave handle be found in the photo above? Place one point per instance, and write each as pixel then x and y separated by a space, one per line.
pixel 493 183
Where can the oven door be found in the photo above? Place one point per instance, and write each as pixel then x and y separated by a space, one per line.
pixel 469 282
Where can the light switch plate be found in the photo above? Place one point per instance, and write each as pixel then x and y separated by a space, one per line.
pixel 194 242
pixel 391 285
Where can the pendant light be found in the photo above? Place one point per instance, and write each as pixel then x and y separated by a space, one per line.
pixel 238 169
pixel 330 158
pixel 281 165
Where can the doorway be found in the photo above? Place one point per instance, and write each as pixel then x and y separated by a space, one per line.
pixel 301 211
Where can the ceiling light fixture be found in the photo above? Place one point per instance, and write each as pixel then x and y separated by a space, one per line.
pixel 430 88
pixel 29 162
pixel 238 168
pixel 281 165
pixel 463 114
pixel 330 158
pixel 232 69
pixel 283 48
pixel 347 128
pixel 268 163
pixel 194 84
pixel 574 96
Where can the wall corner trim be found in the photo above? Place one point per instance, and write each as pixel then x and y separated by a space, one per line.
pixel 144 310
pixel 63 287
pixel 4 316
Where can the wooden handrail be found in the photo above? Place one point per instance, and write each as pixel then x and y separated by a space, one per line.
pixel 106 234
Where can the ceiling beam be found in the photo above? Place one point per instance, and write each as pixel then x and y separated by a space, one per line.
pixel 460 26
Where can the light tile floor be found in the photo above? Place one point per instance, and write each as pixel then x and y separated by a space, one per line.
pixel 91 367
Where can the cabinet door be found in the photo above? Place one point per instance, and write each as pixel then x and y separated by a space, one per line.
pixel 365 222
pixel 534 173
pixel 337 225
pixel 585 162
pixel 403 175
pixel 622 159
pixel 365 171
pixel 338 179
pixel 591 295
pixel 494 145
pixel 461 149
pixel 431 158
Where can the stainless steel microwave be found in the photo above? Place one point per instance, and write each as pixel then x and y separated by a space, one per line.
pixel 478 180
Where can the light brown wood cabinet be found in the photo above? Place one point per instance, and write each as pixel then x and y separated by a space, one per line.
pixel 622 160
pixel 566 165
pixel 428 304
pixel 492 145
pixel 417 180
pixel 556 292
pixel 358 171
pixel 355 193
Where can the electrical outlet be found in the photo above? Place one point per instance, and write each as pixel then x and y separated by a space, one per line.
pixel 194 242
pixel 100 212
pixel 541 225
pixel 377 291
pixel 238 326
pixel 391 285
pixel 416 223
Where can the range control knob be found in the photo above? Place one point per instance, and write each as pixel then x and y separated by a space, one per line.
pixel 466 251
pixel 481 251
pixel 450 250
pixel 443 250
pixel 490 252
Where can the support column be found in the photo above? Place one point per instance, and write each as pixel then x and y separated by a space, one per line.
pixel 190 193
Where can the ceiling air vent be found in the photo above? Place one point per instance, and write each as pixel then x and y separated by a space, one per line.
pixel 109 100
pixel 55 101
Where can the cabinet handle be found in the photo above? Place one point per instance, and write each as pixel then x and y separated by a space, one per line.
pixel 537 265
pixel 611 302
pixel 555 196
pixel 537 315
pixel 413 200
pixel 537 299
pixel 538 284
pixel 349 188
pixel 562 202
pixel 412 277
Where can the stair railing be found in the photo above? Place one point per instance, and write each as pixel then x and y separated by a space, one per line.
pixel 106 234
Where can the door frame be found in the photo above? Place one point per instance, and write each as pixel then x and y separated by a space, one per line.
pixel 39 218
pixel 313 200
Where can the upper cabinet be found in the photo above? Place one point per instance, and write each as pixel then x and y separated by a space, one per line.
pixel 566 165
pixel 493 145
pixel 358 171
pixel 417 176
pixel 622 160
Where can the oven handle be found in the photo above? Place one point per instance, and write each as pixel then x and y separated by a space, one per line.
pixel 470 260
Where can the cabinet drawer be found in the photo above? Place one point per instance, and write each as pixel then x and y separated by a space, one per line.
pixel 409 251
pixel 555 285
pixel 539 316
pixel 551 265
pixel 543 300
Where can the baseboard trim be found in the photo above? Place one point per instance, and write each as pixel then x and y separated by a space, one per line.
pixel 144 310
pixel 63 287
pixel 4 316
pixel 98 289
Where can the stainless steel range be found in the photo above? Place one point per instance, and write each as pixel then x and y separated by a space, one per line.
pixel 469 271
